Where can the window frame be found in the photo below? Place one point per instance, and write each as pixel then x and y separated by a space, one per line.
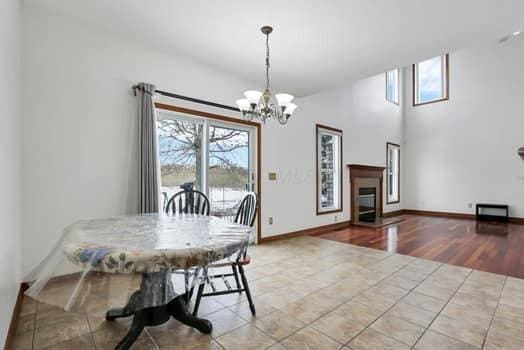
pixel 397 200
pixel 165 107
pixel 444 77
pixel 397 86
pixel 207 123
pixel 319 128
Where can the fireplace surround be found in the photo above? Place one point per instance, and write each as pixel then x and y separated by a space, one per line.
pixel 365 192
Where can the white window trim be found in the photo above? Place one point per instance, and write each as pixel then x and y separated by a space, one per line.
pixel 337 171
pixel 397 102
pixel 444 80
pixel 393 172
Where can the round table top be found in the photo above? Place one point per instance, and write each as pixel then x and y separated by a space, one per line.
pixel 152 242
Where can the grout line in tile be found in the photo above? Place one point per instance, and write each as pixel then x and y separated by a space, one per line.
pixel 494 312
pixel 215 337
pixel 438 314
pixel 392 306
pixel 310 323
pixel 260 330
pixel 338 305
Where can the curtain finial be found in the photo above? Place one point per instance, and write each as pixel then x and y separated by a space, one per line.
pixel 144 87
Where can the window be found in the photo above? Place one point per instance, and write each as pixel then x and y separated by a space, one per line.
pixel 430 80
pixel 393 173
pixel 329 169
pixel 211 155
pixel 392 86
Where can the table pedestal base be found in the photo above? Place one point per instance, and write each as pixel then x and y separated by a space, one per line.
pixel 157 315
pixel 154 316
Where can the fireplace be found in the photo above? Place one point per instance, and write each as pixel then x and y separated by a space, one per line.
pixel 367 204
pixel 365 182
pixel 366 193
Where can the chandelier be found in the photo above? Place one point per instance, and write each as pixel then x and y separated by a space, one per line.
pixel 261 105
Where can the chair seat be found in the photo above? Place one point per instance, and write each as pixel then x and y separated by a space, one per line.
pixel 243 262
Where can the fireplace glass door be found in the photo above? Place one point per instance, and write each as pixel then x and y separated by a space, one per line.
pixel 367 202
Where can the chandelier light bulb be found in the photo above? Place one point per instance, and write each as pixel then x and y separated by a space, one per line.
pixel 253 96
pixel 284 100
pixel 243 104
pixel 290 109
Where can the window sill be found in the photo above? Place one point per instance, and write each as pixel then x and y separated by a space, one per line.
pixel 391 101
pixel 330 211
pixel 415 104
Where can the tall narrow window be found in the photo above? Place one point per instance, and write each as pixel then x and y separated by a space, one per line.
pixel 392 86
pixel 329 169
pixel 393 173
pixel 430 80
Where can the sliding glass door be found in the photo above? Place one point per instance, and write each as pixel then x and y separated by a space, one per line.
pixel 229 173
pixel 215 157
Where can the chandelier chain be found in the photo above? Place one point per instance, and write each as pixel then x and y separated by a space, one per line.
pixel 267 61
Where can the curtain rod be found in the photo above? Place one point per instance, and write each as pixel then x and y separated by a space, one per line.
pixel 191 99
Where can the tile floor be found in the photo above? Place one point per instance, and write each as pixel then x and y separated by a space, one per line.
pixel 312 293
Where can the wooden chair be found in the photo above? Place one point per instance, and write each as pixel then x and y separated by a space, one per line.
pixel 188 202
pixel 247 212
pixel 246 215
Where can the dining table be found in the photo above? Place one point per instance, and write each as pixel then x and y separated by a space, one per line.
pixel 128 264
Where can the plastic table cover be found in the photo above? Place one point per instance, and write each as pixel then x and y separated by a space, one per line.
pixel 106 263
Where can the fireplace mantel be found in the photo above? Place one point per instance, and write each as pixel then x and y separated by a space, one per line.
pixel 365 176
pixel 359 170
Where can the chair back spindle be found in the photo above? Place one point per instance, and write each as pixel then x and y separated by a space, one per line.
pixel 188 202
pixel 247 211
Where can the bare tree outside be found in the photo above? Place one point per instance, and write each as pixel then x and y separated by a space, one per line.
pixel 180 151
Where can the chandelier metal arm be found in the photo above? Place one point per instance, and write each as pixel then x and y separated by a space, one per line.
pixel 265 112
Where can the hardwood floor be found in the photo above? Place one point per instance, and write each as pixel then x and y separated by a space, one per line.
pixel 497 248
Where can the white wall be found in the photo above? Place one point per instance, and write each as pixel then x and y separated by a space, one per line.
pixel 368 121
pixel 80 129
pixel 465 150
pixel 10 190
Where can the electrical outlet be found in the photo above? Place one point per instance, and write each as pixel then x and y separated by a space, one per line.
pixel 470 205
pixel 336 218
pixel 270 220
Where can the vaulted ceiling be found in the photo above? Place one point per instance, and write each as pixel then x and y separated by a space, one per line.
pixel 315 44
